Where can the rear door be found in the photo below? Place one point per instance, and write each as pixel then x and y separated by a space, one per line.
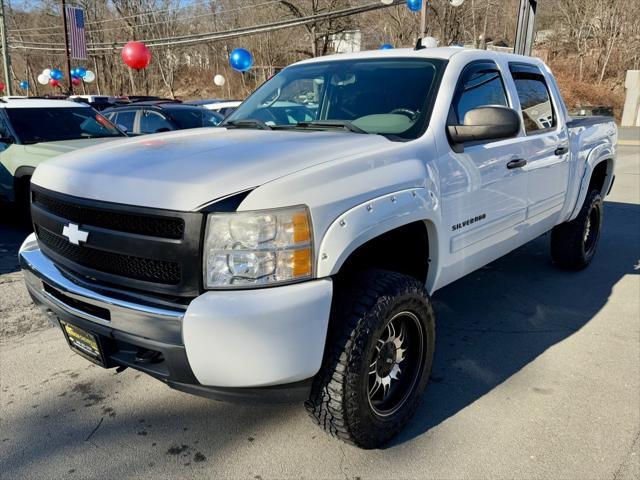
pixel 124 118
pixel 154 122
pixel 547 147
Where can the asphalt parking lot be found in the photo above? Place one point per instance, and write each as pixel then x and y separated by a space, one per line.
pixel 537 375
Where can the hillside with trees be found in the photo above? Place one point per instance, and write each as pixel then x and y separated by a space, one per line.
pixel 589 44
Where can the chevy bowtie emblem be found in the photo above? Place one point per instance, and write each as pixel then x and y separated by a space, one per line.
pixel 74 234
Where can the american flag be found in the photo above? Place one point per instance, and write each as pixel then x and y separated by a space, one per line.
pixel 75 20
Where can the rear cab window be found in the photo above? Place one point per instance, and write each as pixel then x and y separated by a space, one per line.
pixel 538 113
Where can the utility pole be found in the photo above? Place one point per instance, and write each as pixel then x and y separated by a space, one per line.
pixel 525 30
pixel 423 20
pixel 6 60
pixel 66 48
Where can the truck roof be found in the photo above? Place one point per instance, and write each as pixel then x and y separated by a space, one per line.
pixel 40 103
pixel 443 53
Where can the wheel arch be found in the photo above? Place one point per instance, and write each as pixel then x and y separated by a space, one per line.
pixel 365 237
pixel 21 180
pixel 24 172
pixel 599 172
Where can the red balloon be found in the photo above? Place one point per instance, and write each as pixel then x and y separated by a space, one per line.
pixel 136 55
pixel 75 81
pixel 2 85
pixel 53 82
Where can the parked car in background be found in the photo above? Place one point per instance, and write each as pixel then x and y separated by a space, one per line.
pixel 203 101
pixel 35 130
pixel 99 102
pixel 139 118
pixel 224 107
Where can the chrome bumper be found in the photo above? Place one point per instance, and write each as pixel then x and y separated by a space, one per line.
pixel 133 326
pixel 159 324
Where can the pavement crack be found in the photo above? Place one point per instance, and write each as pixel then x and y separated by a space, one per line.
pixel 95 429
pixel 625 460
pixel 342 459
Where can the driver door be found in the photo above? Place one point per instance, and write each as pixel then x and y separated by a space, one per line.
pixel 483 187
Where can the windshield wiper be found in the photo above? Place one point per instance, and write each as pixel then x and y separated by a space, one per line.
pixel 247 123
pixel 345 124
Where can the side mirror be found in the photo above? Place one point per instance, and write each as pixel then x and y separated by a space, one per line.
pixel 485 123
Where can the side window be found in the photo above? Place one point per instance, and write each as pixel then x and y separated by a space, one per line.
pixel 535 101
pixel 480 85
pixel 125 119
pixel 4 130
pixel 153 122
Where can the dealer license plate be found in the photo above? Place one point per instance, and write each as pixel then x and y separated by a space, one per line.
pixel 83 343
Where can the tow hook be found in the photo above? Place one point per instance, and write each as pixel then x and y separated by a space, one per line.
pixel 148 356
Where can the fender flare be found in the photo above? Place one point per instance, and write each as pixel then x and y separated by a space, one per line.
pixel 371 219
pixel 602 153
pixel 24 172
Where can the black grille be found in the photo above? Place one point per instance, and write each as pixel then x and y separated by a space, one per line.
pixel 134 248
pixel 146 269
pixel 123 222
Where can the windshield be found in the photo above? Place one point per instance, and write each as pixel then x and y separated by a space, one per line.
pixel 194 117
pixel 385 96
pixel 35 125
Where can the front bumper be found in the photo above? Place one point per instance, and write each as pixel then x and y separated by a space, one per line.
pixel 258 345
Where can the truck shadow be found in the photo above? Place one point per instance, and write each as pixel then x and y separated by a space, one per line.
pixel 494 322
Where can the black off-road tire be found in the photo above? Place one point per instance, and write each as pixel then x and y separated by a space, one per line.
pixel 363 306
pixel 573 244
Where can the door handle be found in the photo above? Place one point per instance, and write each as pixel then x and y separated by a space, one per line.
pixel 517 163
pixel 561 151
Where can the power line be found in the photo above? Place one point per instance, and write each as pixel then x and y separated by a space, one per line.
pixel 108 20
pixel 160 22
pixel 223 35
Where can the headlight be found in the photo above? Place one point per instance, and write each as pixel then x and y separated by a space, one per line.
pixel 255 248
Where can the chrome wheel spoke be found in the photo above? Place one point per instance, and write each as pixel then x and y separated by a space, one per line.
pixel 392 332
pixel 386 384
pixel 375 387
pixel 395 364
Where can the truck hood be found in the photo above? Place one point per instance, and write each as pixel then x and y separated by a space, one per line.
pixel 186 169
pixel 52 149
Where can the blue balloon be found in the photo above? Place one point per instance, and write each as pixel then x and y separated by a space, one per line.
pixel 386 46
pixel 74 72
pixel 241 59
pixel 24 85
pixel 56 74
pixel 81 72
pixel 414 5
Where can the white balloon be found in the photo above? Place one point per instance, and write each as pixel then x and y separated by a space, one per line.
pixel 89 76
pixel 387 2
pixel 219 80
pixel 429 42
pixel 43 79
pixel 456 3
pixel 47 72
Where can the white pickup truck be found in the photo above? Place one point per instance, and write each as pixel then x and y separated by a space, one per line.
pixel 290 255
